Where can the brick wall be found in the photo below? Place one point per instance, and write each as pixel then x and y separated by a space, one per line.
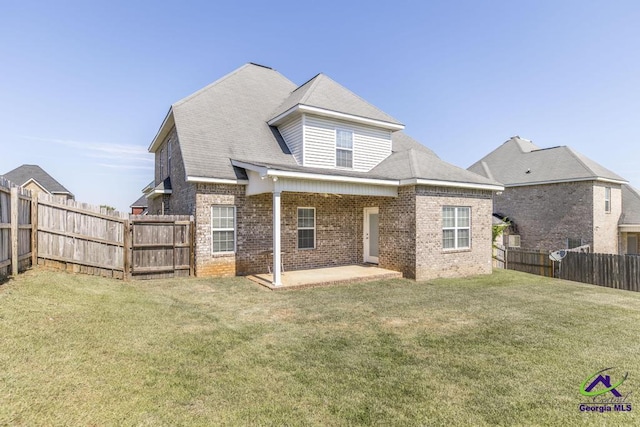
pixel 339 232
pixel 181 201
pixel 605 224
pixel 546 215
pixel 431 259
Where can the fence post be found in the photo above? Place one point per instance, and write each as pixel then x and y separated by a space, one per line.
pixel 126 241
pixel 15 256
pixel 34 229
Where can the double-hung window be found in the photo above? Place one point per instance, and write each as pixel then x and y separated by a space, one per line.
pixel 607 199
pixel 223 229
pixel 306 228
pixel 344 148
pixel 456 227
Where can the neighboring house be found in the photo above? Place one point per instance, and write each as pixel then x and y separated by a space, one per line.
pixel 140 206
pixel 34 178
pixel 630 221
pixel 313 176
pixel 556 198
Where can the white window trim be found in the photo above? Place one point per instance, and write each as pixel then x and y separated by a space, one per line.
pixel 342 148
pixel 234 229
pixel 169 158
pixel 607 199
pixel 315 233
pixel 455 228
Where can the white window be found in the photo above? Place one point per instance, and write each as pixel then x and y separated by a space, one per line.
pixel 223 229
pixel 306 228
pixel 456 227
pixel 514 240
pixel 344 148
pixel 607 199
pixel 169 157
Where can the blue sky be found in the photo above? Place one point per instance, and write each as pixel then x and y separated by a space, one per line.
pixel 85 85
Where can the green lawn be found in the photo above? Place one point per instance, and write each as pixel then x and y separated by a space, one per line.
pixel 506 349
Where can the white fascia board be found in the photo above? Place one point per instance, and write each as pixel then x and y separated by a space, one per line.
pixel 36 183
pixel 334 178
pixel 562 181
pixel 216 180
pixel 335 115
pixel 262 170
pixel 157 193
pixel 629 228
pixel 265 171
pixel 436 183
pixel 167 123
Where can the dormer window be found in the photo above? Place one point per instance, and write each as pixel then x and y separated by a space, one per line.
pixel 344 149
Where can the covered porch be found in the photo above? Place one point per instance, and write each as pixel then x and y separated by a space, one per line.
pixel 299 279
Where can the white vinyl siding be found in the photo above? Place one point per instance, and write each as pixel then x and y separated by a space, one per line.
pixel 370 145
pixel 292 134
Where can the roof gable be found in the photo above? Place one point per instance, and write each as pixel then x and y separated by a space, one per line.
pixel 323 93
pixel 25 173
pixel 520 162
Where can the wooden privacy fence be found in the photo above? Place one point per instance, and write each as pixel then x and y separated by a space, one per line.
pixel 611 271
pixel 529 261
pixel 16 229
pixel 87 239
pixel 82 238
pixel 162 245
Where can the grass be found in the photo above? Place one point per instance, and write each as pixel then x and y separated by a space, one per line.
pixel 506 349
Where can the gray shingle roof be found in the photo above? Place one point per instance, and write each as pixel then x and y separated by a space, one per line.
pixel 322 92
pixel 22 174
pixel 228 119
pixel 520 162
pixel 409 160
pixel 630 206
pixel 142 202
pixel 416 163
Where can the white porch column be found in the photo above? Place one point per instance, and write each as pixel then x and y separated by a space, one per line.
pixel 277 272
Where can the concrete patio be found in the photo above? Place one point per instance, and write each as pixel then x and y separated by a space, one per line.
pixel 299 279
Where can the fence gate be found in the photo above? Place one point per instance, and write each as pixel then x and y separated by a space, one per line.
pixel 161 246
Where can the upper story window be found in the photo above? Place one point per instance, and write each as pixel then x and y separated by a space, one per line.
pixel 456 227
pixel 344 148
pixel 607 199
pixel 169 157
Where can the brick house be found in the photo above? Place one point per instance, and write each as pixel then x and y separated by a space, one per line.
pixel 35 179
pixel 557 198
pixel 313 176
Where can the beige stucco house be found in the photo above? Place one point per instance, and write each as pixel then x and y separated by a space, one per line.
pixel 310 176
pixel 556 198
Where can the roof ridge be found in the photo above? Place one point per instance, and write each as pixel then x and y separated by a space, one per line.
pixel 413 162
pixel 221 79
pixel 312 87
pixel 577 157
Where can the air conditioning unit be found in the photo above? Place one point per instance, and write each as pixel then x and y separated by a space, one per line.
pixel 514 240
